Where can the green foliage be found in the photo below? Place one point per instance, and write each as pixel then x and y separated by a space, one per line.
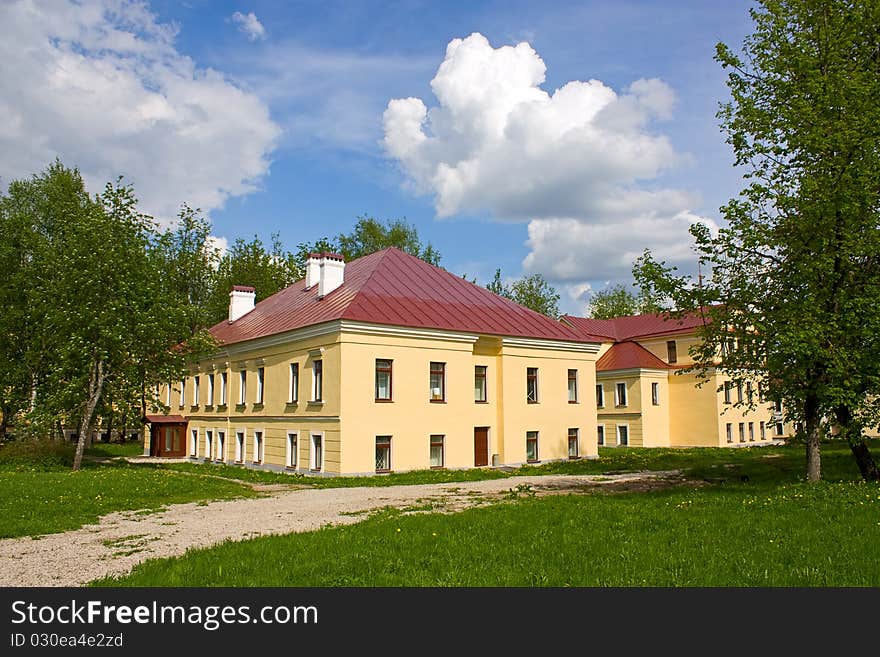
pixel 795 278
pixel 617 301
pixel 40 454
pixel 533 292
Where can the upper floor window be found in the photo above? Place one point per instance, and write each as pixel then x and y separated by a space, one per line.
pixel 318 380
pixel 223 382
pixel 620 394
pixel 294 383
pixel 261 375
pixel 655 394
pixel 182 392
pixel 383 380
pixel 600 395
pixel 195 391
pixel 572 386
pixel 437 382
pixel 727 392
pixel 168 395
pixel 749 392
pixel 480 393
pixel 532 385
pixel 242 386
pixel 671 352
pixel 739 392
pixel 210 400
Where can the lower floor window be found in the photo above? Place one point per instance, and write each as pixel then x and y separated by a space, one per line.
pixel 436 451
pixel 531 446
pixel 751 432
pixel 780 430
pixel 221 445
pixel 763 428
pixel 239 447
pixel 194 441
pixel 258 446
pixel 600 433
pixel 383 453
pixel 622 434
pixel 291 450
pixel 209 444
pixel 317 460
pixel 729 429
pixel 573 443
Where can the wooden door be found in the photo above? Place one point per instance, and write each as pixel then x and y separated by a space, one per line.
pixel 481 446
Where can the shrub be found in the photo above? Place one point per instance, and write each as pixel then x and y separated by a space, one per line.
pixel 42 454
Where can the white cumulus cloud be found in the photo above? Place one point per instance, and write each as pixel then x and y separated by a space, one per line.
pixel 579 164
pixel 250 25
pixel 100 84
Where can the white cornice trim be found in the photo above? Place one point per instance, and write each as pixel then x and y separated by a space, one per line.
pixel 559 345
pixel 295 335
pixel 407 332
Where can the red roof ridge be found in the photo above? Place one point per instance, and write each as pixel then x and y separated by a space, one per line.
pixel 628 355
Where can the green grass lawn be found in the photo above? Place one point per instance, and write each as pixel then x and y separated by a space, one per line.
pixel 116 449
pixel 44 499
pixel 755 524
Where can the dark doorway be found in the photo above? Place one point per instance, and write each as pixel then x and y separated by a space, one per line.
pixel 481 446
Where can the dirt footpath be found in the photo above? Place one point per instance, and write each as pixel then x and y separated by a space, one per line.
pixel 121 540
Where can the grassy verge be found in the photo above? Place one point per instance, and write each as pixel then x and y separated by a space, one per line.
pixel 116 449
pixel 737 534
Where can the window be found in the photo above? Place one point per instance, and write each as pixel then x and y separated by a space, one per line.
pixel 193 442
pixel 242 386
pixel 655 394
pixel 727 392
pixel 600 435
pixel 258 446
pixel 383 453
pixel 291 449
pixel 318 380
pixel 742 432
pixel 751 432
pixel 195 391
pixel 239 446
pixel 437 451
pixel 739 393
pixel 531 445
pixel 600 395
pixel 223 388
pixel 532 385
pixel 209 444
pixel 729 428
pixel 572 386
pixel 294 383
pixel 317 455
pixel 221 445
pixel 671 352
pixel 573 443
pixel 168 395
pixel 438 382
pixel 778 406
pixel 622 434
pixel 383 380
pixel 210 400
pixel 780 430
pixel 620 394
pixel 762 428
pixel 261 374
pixel 480 390
pixel 182 392
pixel 760 394
pixel 749 392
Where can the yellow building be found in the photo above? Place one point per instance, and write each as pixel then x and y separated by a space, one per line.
pixel 383 364
pixel 644 397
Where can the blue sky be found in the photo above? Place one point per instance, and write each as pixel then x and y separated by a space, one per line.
pixel 275 116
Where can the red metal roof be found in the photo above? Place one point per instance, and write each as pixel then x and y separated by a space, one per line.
pixel 162 419
pixel 393 287
pixel 635 326
pixel 627 356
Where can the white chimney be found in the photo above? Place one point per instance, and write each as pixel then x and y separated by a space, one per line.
pixel 241 301
pixel 313 269
pixel 332 273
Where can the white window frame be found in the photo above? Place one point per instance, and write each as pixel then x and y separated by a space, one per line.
pixel 240 442
pixel 313 466
pixel 261 380
pixel 600 395
pixel 315 398
pixel 168 395
pixel 617 401
pixel 194 442
pixel 210 400
pixel 220 439
pixel 196 390
pixel 655 393
pixel 728 429
pixel 291 456
pixel 259 455
pixel 223 388
pixel 751 432
pixel 742 432
pixel 617 431
pixel 763 430
pixel 209 444
pixel 293 387
pixel 182 392
pixel 242 387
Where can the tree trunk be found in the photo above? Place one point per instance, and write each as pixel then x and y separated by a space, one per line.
pixel 852 431
pixel 811 421
pixel 96 386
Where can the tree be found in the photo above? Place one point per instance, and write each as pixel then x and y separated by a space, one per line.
pixel 533 292
pixel 251 263
pixel 370 235
pixel 618 301
pixel 795 279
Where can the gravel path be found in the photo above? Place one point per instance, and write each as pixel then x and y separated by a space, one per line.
pixel 121 540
